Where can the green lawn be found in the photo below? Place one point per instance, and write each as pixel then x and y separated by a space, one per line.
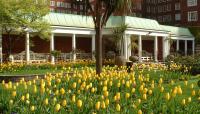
pixel 30 72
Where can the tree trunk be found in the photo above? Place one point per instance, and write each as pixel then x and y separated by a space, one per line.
pixel 98 41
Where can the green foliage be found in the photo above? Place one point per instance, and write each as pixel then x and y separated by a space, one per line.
pixel 196 32
pixel 20 16
pixel 118 37
pixel 55 53
pixel 192 63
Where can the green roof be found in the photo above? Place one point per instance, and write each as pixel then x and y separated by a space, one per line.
pixel 178 31
pixel 70 20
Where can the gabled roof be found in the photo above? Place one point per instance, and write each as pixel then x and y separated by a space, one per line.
pixel 178 31
pixel 79 21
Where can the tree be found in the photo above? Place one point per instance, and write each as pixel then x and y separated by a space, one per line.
pixel 20 16
pixel 100 11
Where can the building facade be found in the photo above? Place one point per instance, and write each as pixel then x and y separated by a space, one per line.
pixel 74 7
pixel 173 12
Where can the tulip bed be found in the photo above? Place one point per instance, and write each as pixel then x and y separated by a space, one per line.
pixel 114 91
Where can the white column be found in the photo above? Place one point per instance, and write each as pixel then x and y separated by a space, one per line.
pixel 129 45
pixel 164 47
pixel 193 47
pixel 125 46
pixel 168 46
pixel 93 47
pixel 140 48
pixel 156 49
pixel 1 49
pixel 185 47
pixel 52 48
pixel 27 47
pixel 177 45
pixel 74 46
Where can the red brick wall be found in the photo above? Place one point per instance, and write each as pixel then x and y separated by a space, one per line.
pixel 64 44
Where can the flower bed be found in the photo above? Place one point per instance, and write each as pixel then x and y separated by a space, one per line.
pixel 114 91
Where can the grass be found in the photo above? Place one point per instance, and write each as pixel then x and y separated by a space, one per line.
pixel 30 72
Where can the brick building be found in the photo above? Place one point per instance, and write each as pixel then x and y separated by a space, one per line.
pixel 71 7
pixel 173 12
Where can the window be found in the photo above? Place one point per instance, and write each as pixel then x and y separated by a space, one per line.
pixel 58 5
pixel 192 16
pixel 52 3
pixel 166 18
pixel 178 17
pixel 168 7
pixel 52 9
pixel 62 4
pixel 177 6
pixel 67 5
pixel 191 2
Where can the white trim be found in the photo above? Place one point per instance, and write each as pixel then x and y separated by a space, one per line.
pixel 186 47
pixel 182 38
pixel 177 45
pixel 193 47
pixel 156 48
pixel 27 46
pixel 140 48
pixel 74 46
pixel 52 48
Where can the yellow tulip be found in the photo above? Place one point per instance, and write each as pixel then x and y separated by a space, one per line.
pixel 179 90
pixel 162 89
pixel 64 103
pixel 27 102
pixel 74 85
pixel 34 89
pixel 139 111
pixel 145 90
pixel 57 107
pixel 46 101
pixel 167 96
pixel 189 99
pixel 186 83
pixel 97 105
pixel 192 86
pixel 79 103
pixel 106 93
pixel 133 90
pixel 104 88
pixel 11 102
pixel 92 90
pixel 14 93
pixel 118 84
pixel 144 96
pixel 118 107
pixel 193 92
pixel 150 92
pixel 23 98
pixel 183 102
pixel 73 98
pixel 160 81
pixel 103 105
pixel 127 84
pixel 127 95
pixel 62 91
pixel 107 102
pixel 32 108
pixel 118 96
pixel 27 96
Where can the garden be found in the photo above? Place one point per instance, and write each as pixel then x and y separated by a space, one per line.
pixel 75 88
